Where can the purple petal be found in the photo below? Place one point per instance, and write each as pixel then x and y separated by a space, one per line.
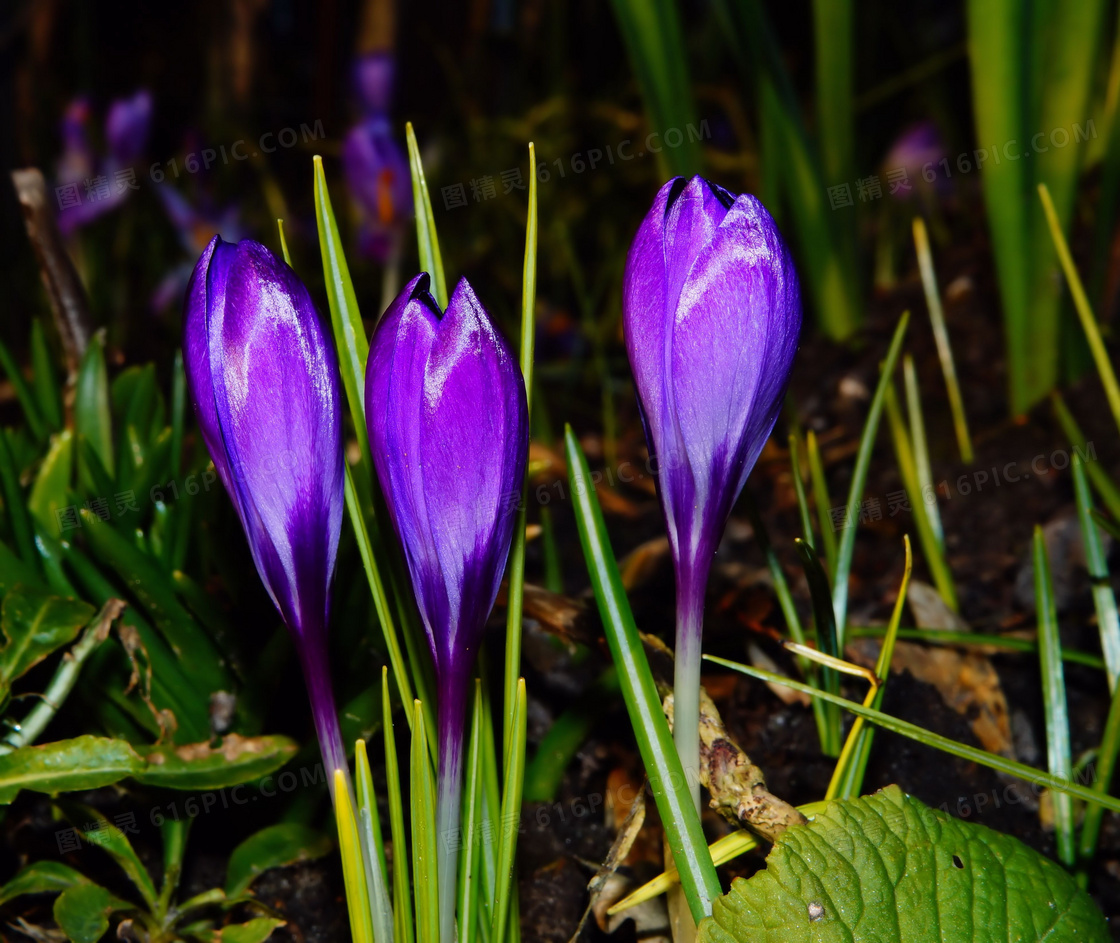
pixel 374 75
pixel 126 128
pixel 265 382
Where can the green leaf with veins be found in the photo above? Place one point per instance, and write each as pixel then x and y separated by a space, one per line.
pixel 887 868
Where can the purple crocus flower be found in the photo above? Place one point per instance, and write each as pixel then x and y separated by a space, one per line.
pixel 263 375
pixel 712 312
pixel 918 151
pixel 449 432
pixel 126 128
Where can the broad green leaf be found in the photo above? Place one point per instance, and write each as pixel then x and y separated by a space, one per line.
pixel 41 877
pixel 276 846
pixel 82 912
pixel 85 762
pixel 256 930
pixel 887 867
pixel 92 418
pixel 52 483
pixel 201 766
pixel 35 624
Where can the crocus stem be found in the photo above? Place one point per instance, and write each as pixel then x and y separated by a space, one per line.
pixel 316 673
pixel 452 715
pixel 686 677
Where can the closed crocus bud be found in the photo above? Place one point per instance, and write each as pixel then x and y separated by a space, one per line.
pixel 448 427
pixel 263 375
pixel 711 312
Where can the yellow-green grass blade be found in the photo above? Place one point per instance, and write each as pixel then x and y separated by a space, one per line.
pixel 430 259
pixel 353 870
pixel 921 447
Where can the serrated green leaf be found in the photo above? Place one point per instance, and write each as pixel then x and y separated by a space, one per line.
pixel 887 867
pixel 201 766
pixel 35 624
pixel 41 877
pixel 82 912
pixel 85 762
pixel 274 847
pixel 256 930
pixel 52 483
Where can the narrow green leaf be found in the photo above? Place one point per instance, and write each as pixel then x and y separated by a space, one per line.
pixel 799 490
pixel 373 850
pixel 353 866
pixel 49 493
pixel 1102 481
pixel 941 338
pixel 14 571
pixel 516 566
pixel 48 394
pixel 513 779
pixel 913 732
pixel 275 846
pixel 402 889
pixel 430 259
pixel 859 481
pixel 19 520
pixel 178 412
pixel 822 500
pixel 469 853
pixel 424 839
pixel 667 778
pixel 1104 599
pixel 23 393
pixel 105 835
pixel 92 418
pixel 826 640
pixel 921 449
pixel 1054 704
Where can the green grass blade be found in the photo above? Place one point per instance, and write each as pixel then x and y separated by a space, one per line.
pixel 516 569
pixel 346 319
pixel 799 490
pixel 469 852
pixel 513 780
pixel 667 778
pixel 907 467
pixel 847 780
pixel 92 419
pixel 921 447
pixel 859 481
pixel 913 732
pixel 1055 706
pixel 653 34
pixel 284 240
pixel 430 259
pixel 966 640
pixel 178 411
pixel 27 402
pixel 826 641
pixel 941 338
pixel 833 35
pixel 403 931
pixel 822 500
pixel 373 848
pixel 424 840
pixel 1106 765
pixel 1102 481
pixel 1104 599
pixel 377 590
pixel 1081 305
pixel 1105 204
pixel 48 394
pixel 789 610
pixel 15 505
pixel 998 31
pixel 353 869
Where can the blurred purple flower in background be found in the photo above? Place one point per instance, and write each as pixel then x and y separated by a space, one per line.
pixel 263 376
pixel 101 183
pixel 375 165
pixel 712 313
pixel 449 431
pixel 919 148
